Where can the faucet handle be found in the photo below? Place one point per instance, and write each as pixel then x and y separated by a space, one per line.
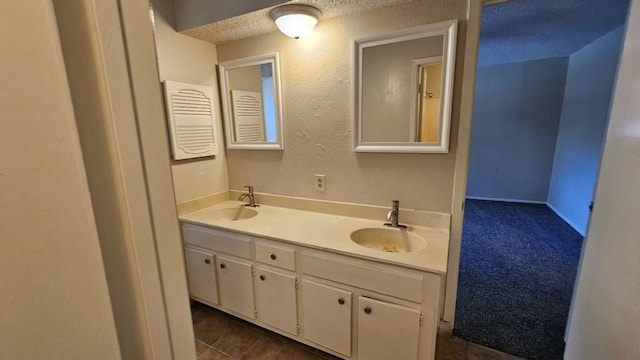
pixel 249 188
pixel 395 203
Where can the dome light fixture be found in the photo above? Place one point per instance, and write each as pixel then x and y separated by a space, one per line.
pixel 295 20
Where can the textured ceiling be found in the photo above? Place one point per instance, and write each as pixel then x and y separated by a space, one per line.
pixel 523 30
pixel 259 22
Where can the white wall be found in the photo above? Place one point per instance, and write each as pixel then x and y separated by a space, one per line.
pixel 516 114
pixel 185 59
pixel 585 111
pixel 606 314
pixel 55 303
pixel 317 93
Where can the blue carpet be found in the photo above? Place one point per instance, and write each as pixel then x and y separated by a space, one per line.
pixel 517 271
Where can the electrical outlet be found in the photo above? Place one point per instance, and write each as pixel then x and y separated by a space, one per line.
pixel 321 182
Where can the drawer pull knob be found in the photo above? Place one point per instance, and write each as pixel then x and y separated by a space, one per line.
pixel 341 301
pixel 222 266
pixel 367 310
pixel 273 256
pixel 262 277
pixel 207 261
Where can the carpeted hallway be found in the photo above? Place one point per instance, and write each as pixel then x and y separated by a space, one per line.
pixel 517 272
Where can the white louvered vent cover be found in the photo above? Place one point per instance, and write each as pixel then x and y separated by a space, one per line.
pixel 248 116
pixel 191 120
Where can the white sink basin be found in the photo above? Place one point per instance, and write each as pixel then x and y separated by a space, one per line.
pixel 388 240
pixel 233 214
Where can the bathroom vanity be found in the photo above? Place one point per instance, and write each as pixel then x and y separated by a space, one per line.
pixel 304 275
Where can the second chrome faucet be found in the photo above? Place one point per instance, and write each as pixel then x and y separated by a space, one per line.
pixel 249 195
pixel 394 216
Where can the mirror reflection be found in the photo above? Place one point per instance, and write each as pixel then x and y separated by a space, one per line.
pixel 428 98
pixel 251 96
pixel 401 90
pixel 253 103
pixel 404 84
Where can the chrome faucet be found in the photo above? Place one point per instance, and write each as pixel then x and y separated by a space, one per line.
pixel 249 194
pixel 394 215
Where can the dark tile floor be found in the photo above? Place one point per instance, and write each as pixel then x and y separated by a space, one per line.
pixel 222 337
pixel 454 348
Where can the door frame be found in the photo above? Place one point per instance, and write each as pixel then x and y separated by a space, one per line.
pixel 110 58
pixel 474 19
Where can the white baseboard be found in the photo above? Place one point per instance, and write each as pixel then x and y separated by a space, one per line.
pixel 506 200
pixel 580 231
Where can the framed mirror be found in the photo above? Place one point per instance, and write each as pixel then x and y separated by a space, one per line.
pixel 252 103
pixel 404 89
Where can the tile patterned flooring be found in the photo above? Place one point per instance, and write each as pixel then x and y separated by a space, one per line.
pixel 453 348
pixel 222 337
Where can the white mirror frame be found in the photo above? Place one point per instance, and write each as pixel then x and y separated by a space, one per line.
pixel 448 29
pixel 223 68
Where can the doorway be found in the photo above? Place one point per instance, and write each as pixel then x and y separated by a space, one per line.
pixel 545 76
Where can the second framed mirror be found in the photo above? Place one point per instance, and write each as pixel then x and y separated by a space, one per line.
pixel 404 90
pixel 251 102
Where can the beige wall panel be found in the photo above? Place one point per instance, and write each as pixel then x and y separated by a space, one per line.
pixel 430 120
pixel 55 303
pixel 185 59
pixel 317 88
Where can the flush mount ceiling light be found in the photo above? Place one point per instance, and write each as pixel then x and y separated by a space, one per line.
pixel 295 20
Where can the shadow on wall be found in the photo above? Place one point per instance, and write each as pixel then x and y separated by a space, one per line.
pixel 585 115
pixel 539 127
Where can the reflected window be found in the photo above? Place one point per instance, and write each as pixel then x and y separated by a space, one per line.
pixel 269 102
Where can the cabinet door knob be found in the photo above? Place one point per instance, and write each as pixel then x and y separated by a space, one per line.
pixel 273 256
pixel 367 310
pixel 341 301
pixel 222 266
pixel 207 261
pixel 262 277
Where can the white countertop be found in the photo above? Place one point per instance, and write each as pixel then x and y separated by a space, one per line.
pixel 328 232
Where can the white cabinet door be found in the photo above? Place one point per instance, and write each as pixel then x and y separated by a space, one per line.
pixel 276 300
pixel 236 285
pixel 327 316
pixel 387 331
pixel 201 274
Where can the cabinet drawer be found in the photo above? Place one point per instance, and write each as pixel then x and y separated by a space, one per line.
pixel 217 240
pixel 399 284
pixel 279 256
